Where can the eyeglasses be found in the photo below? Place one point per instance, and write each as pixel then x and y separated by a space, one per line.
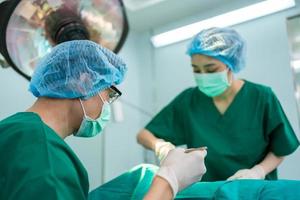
pixel 113 94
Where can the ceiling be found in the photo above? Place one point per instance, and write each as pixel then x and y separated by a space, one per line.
pixel 149 14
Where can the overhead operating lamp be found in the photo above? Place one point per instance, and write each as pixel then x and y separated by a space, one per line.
pixel 30 28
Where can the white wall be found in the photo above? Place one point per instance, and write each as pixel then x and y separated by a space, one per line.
pixel 267 63
pixel 14 95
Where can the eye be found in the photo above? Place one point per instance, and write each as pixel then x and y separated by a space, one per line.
pixel 196 71
pixel 211 71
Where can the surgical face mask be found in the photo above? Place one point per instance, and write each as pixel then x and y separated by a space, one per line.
pixel 91 127
pixel 212 84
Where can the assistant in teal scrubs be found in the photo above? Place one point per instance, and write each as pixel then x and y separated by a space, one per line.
pixel 242 123
pixel 252 125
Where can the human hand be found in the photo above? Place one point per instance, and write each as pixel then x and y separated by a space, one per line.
pixel 162 149
pixel 182 169
pixel 256 172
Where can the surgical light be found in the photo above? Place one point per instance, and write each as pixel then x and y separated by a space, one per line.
pixel 30 28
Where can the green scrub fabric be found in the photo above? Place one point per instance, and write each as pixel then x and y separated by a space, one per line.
pixel 36 163
pixel 253 125
pixel 134 184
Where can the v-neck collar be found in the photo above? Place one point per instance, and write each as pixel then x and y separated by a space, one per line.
pixel 230 107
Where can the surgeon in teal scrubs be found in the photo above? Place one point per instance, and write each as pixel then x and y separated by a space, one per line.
pixel 242 123
pixel 74 86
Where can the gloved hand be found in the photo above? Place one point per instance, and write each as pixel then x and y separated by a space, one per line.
pixel 182 169
pixel 256 172
pixel 162 149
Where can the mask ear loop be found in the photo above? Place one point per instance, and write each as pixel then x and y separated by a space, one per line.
pixel 82 107
pixel 101 98
pixel 102 102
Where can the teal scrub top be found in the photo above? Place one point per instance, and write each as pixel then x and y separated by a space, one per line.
pixel 36 163
pixel 253 125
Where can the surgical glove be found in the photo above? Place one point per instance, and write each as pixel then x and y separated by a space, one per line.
pixel 162 149
pixel 182 169
pixel 257 172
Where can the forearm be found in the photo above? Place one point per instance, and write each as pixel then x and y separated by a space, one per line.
pixel 270 162
pixel 147 139
pixel 160 190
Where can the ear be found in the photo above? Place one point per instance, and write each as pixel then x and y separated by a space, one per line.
pixel 230 75
pixel 229 71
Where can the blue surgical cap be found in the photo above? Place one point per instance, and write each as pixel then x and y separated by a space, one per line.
pixel 76 69
pixel 223 44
